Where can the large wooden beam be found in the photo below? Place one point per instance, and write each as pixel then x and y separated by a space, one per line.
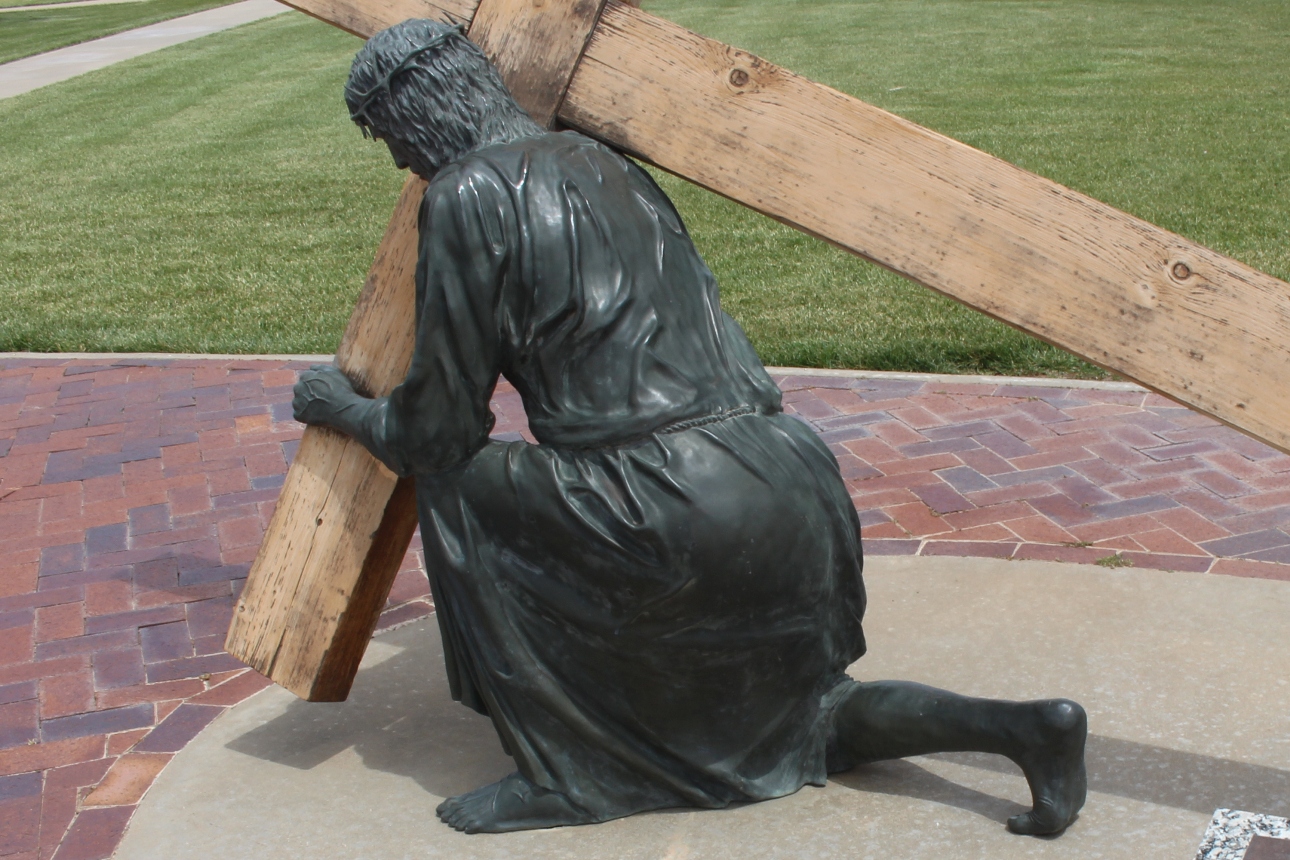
pixel 1177 317
pixel 1164 311
pixel 343 521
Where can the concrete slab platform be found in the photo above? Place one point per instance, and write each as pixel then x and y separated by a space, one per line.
pixel 1183 674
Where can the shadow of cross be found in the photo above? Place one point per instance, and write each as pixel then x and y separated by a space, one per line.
pixel 1118 291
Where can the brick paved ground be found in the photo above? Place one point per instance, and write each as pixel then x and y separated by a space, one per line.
pixel 133 494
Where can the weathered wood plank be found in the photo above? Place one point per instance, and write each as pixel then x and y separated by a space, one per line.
pixel 343 521
pixel 368 16
pixel 1130 296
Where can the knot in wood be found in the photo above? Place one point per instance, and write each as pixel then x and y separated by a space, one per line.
pixel 738 77
pixel 1181 271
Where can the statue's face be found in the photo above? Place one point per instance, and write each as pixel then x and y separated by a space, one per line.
pixel 406 156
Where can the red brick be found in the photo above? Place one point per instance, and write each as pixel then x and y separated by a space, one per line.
pixel 883 530
pixel 19 579
pixel 917 519
pixel 130 777
pixel 19 723
pixel 28 671
pixel 123 741
pixel 992 514
pixel 63 695
pixel 62 621
pixel 159 692
pixel 1155 561
pixel 970 549
pixel 1169 542
pixel 930 463
pixel 1040 529
pixel 183 594
pixel 187 500
pixel 1190 524
pixel 872 450
pixel 25 759
pixel 987 532
pixel 240 687
pixel 19 814
pixel 1056 457
pixel 1048 552
pixel 897 433
pixel 16 644
pixel 107 598
pixel 251 425
pixel 1253 569
pixel 228 480
pixel 102 489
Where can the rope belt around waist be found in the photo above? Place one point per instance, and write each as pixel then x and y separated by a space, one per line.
pixel 678 426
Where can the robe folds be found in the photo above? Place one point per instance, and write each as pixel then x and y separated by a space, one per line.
pixel 656 603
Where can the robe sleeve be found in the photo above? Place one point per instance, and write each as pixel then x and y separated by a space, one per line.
pixel 438 417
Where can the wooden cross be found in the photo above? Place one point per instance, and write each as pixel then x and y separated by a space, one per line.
pixel 1179 318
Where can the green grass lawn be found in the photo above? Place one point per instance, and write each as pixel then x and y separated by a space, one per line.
pixel 214 197
pixel 34 32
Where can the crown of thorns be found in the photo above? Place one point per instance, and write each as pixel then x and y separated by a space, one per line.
pixel 359 114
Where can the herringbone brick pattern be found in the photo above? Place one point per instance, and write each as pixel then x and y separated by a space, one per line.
pixel 133 495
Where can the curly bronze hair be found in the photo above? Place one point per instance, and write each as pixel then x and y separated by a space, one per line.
pixel 424 83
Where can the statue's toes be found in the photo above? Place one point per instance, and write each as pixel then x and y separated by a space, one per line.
pixel 1041 821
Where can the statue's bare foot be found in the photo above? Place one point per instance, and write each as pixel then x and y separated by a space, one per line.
pixel 1053 763
pixel 512 803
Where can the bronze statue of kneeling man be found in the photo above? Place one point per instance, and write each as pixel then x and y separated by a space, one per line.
pixel 657 602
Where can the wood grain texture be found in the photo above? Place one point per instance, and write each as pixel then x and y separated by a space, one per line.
pixel 1123 293
pixel 343 521
pixel 365 17
pixel 535 44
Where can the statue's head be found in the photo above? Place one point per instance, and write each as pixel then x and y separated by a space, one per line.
pixel 431 95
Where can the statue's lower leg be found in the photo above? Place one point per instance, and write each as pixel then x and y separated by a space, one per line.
pixel 895 719
pixel 511 803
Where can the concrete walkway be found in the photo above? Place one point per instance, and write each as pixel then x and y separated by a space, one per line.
pixel 31 73
pixel 73 4
pixel 1179 672
pixel 134 491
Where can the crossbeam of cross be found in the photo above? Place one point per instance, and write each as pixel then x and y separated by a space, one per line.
pixel 1179 318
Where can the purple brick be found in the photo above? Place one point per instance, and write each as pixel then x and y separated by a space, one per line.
pixel 120 668
pixel 67 558
pixel 965 479
pixel 873 517
pixel 21 617
pixel 275 482
pixel 142 618
pixel 216 573
pixel 1180 449
pixel 846 422
pixel 110 538
pixel 166 642
pixel 97 722
pixel 945 446
pixel 1279 554
pixel 191 667
pixel 86 644
pixel 1005 444
pixel 942 498
pixel 158 573
pixel 5 445
pixel 1083 490
pixel 21 785
pixel 150 518
pixel 1062 510
pixel 282 412
pixel 1222 484
pixel 209 617
pixel 891 546
pixel 19 723
pixel 79 388
pixel 1132 507
pixel 19 692
pixel 95 833
pixel 1238 545
pixel 179 728
pixel 957 431
pixel 1032 476
pixel 969 548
